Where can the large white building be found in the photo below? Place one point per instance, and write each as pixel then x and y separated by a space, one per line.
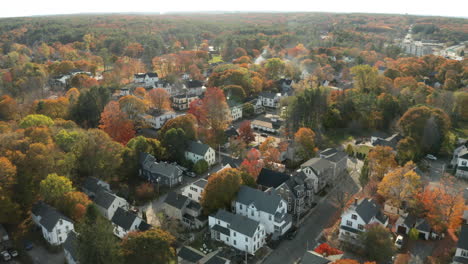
pixel 194 190
pixel 237 231
pixel 461 253
pixel 360 214
pixel 269 99
pixel 198 151
pixel 156 119
pixel 266 207
pixel 54 226
pixel 146 79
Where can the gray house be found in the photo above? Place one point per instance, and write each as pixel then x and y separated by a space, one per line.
pixel 161 172
pixel 298 192
pixel 180 207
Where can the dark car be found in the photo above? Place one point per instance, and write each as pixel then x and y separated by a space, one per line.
pixel 28 245
pixel 292 233
pixel 191 174
pixel 263 135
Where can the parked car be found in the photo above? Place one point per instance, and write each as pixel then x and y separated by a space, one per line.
pixel 5 255
pixel 431 157
pixel 399 242
pixel 13 252
pixel 28 245
pixel 191 174
pixel 263 135
pixel 292 233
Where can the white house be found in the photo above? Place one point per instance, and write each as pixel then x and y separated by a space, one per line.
pixel 125 221
pixel 266 207
pixel 146 79
pixel 197 151
pixel 360 214
pixel 194 190
pixel 69 248
pixel 235 110
pixel 270 99
pixel 460 158
pixel 182 101
pixel 156 119
pixel 237 231
pixel 108 203
pixel 461 253
pixel 263 123
pixel 406 222
pixel 92 186
pixel 54 226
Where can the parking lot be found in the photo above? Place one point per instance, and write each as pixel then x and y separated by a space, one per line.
pixel 41 256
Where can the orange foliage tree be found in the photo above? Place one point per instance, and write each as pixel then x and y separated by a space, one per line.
pixel 252 164
pixel 324 248
pixel 305 139
pixel 115 123
pixel 381 161
pixel 160 99
pixel 246 132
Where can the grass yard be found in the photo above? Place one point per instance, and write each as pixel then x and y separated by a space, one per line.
pixel 363 149
pixel 216 59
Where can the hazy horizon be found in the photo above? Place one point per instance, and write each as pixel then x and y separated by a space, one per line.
pixel 30 8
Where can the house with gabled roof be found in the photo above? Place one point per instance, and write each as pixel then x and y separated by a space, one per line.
pixel 461 252
pixel 270 99
pixel 195 189
pixel 358 216
pixel 197 150
pixel 55 227
pixel 320 170
pixel 269 208
pixel 298 192
pixel 391 141
pixel 69 248
pixel 159 172
pixel 180 207
pixel 338 159
pixel 271 179
pixel 237 231
pixel 405 223
pixel 91 186
pixel 125 221
pixel 146 79
pixel 108 202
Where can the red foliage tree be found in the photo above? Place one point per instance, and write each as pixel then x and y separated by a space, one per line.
pixel 115 123
pixel 246 132
pixel 252 164
pixel 327 249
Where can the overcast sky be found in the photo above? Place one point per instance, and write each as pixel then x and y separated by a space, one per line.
pixel 15 8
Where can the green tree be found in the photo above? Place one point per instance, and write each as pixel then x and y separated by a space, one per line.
pixel 87 110
pixel 188 123
pixel 220 190
pixel 365 78
pixel 413 234
pixel 54 187
pixel 378 243
pixel 248 110
pixel 407 150
pixel 364 177
pixel 175 141
pixel 275 68
pixel 200 167
pixel 152 246
pixel 96 242
pixel 36 120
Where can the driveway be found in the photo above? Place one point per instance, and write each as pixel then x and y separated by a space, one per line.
pixel 289 251
pixel 41 256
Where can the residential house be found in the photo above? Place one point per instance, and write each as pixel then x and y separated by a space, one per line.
pixel 55 226
pixel 357 216
pixel 266 207
pixel 194 190
pixel 285 86
pixel 195 87
pixel 269 99
pixel 461 159
pixel 108 203
pixel 391 141
pixel 339 160
pixel 159 172
pixel 168 87
pixel 69 248
pixel 461 252
pixel 232 162
pixel 148 79
pixel 271 125
pixel 189 255
pixel 235 110
pixel 312 257
pixel 298 192
pixel 197 151
pixel 180 207
pixel 405 223
pixel 182 101
pixel 92 186
pixel 124 92
pixel 157 118
pixel 320 171
pixel 125 221
pixel 237 231
pixel 271 179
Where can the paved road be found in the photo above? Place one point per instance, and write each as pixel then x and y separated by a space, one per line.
pixel 290 251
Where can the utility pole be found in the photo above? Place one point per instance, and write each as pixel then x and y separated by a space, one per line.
pixel 245 257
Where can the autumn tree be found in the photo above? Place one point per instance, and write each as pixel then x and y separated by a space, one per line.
pixel 407 150
pixel 365 78
pixel 8 108
pixel 275 68
pixel 188 123
pixel 270 152
pixel 246 132
pixel 132 106
pixel 253 163
pixel 381 161
pixel 54 187
pixel 220 190
pixel 35 121
pixel 443 205
pixel 115 123
pixel 305 140
pixel 401 185
pixel 73 204
pixel 378 243
pixel 87 110
pixel 53 108
pixel 8 206
pixel 140 92
pixel 152 246
pixel 159 99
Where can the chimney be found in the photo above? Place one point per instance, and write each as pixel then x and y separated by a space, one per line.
pixel 355 201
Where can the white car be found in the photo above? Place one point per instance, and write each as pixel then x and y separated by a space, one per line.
pixel 431 157
pixel 399 242
pixel 5 255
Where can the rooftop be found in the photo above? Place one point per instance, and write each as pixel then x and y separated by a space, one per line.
pixel 266 202
pixel 237 223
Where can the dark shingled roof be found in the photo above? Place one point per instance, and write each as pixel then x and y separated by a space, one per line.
pixel 176 200
pixel 367 209
pixel 104 198
pixel 198 148
pixel 336 157
pixel 189 254
pixel 313 258
pixel 238 223
pixel 271 178
pixel 91 184
pixel 221 230
pixel 123 218
pixel 463 238
pixel 266 202
pixel 234 163
pixel 328 151
pixel 152 74
pixel 70 244
pixel 318 164
pixel 49 215
pixel 216 260
pixel 268 95
pixel 201 183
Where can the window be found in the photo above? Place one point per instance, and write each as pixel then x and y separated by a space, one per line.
pixel 218 222
pixel 227 239
pixel 246 239
pixel 235 242
pixel 60 238
pixel 60 222
pixel 354 217
pixel 252 213
pixel 361 227
pixel 269 217
pixel 240 206
pixel 234 233
pixel 464 253
pixel 349 223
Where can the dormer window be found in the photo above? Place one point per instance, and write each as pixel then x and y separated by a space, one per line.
pixel 354 217
pixel 60 222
